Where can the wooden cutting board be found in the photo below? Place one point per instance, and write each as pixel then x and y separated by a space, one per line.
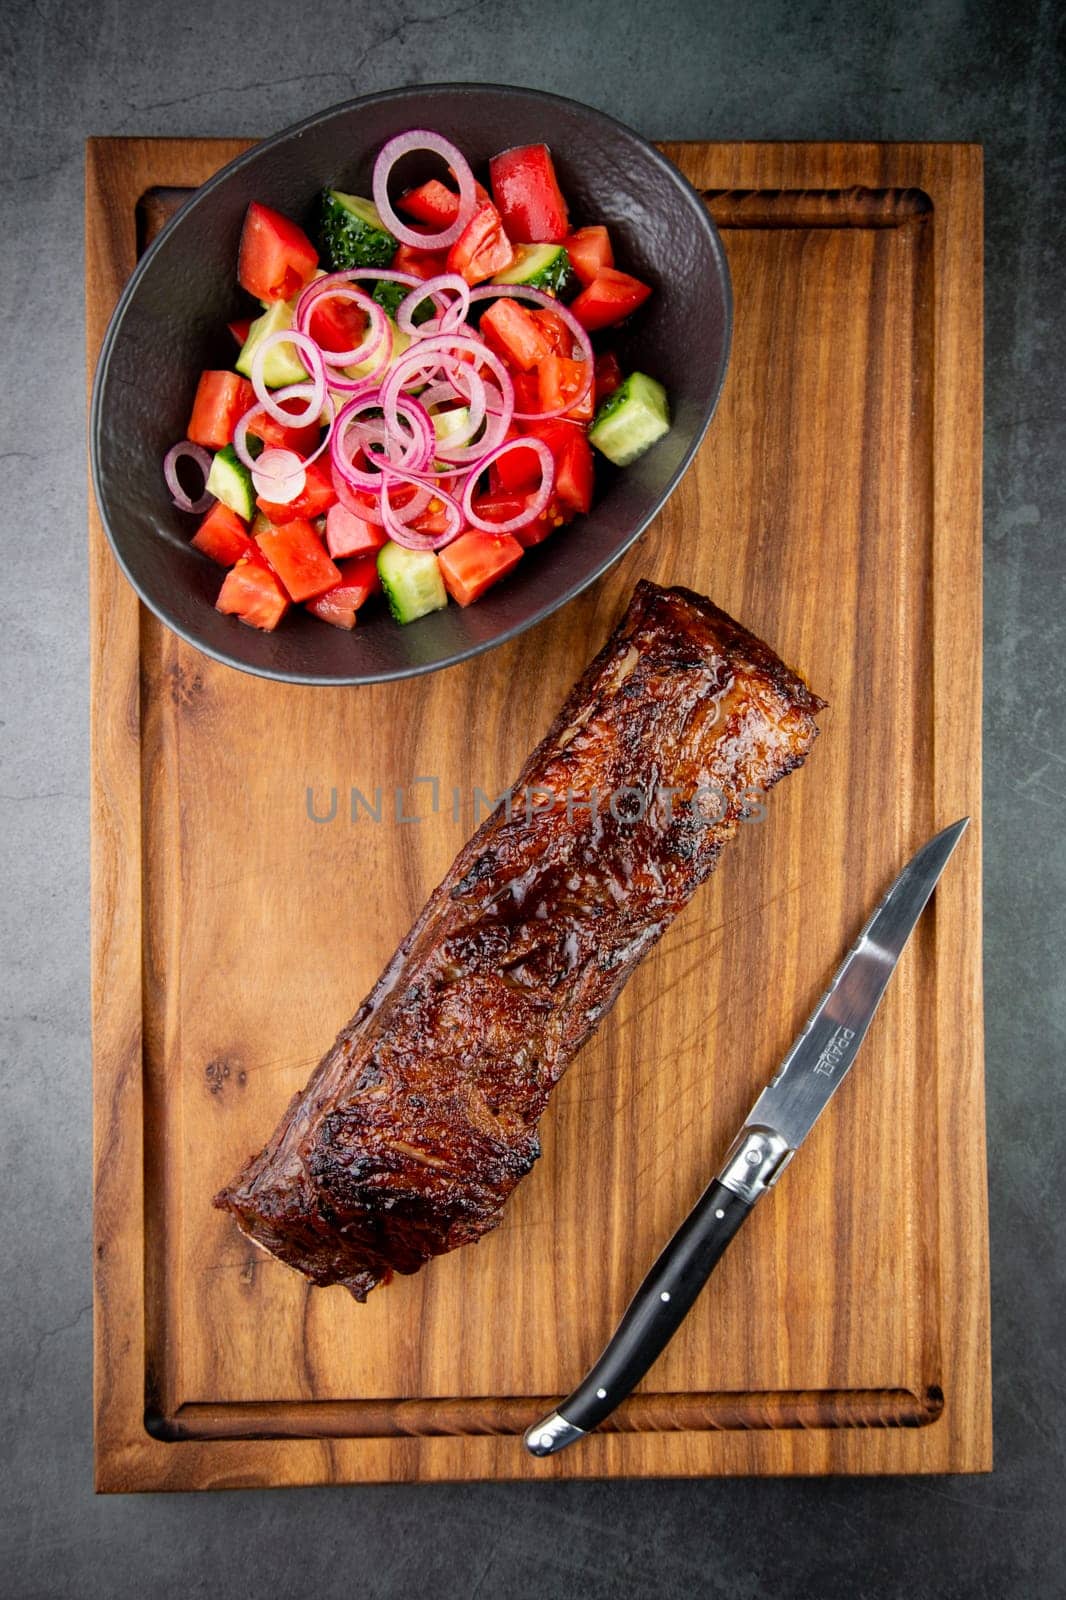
pixel 834 508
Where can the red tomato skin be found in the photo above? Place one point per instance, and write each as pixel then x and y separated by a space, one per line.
pixel 513 333
pixel 575 468
pixel 526 395
pixel 527 194
pixel 590 251
pixel 558 378
pixel 503 506
pixel 483 248
pixel 432 203
pixel 337 325
pixel 349 535
pixel 608 376
pixel 276 257
pixel 475 561
pixel 221 400
pixel 553 516
pixel 298 557
pixel 302 439
pixel 610 298
pixel 359 580
pixel 420 263
pixel 517 470
pixel 240 330
pixel 252 592
pixel 223 536
pixel 559 337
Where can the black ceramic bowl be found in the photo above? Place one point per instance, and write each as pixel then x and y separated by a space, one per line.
pixel 171 323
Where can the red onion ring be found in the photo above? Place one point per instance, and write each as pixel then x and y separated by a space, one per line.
pixel 202 457
pixel 276 478
pixel 492 291
pixel 347 497
pixel 539 501
pixel 449 319
pixel 294 391
pixel 417 452
pixel 311 355
pixel 379 322
pixel 403 144
pixel 411 538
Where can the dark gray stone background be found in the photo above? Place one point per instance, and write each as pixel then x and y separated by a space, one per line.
pixel 950 69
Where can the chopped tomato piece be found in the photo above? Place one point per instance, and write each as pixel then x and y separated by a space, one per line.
pixel 590 251
pixel 501 507
pixel 314 499
pixel 526 394
pixel 518 469
pixel 359 580
pixel 348 535
pixel 554 515
pixel 337 324
pixel 558 335
pixel 299 558
pixel 611 297
pixel 276 257
pixel 526 190
pixel 608 376
pixel 574 465
pixel 253 592
pixel 510 330
pixel 559 379
pixel 433 203
pixel 221 400
pixel 303 439
pixel 240 330
pixel 420 263
pixel 433 520
pixel 475 561
pixel 223 536
pixel 483 248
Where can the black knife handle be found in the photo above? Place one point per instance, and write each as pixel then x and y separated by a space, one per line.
pixel 659 1306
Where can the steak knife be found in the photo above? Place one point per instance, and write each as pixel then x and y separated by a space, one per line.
pixel 776 1126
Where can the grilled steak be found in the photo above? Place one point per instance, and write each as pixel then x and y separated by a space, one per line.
pixel 423 1116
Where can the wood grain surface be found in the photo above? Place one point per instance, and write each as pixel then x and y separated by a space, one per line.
pixel 835 509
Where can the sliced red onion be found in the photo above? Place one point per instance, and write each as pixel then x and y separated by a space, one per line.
pixel 417 451
pixel 492 291
pixel 403 144
pixel 293 392
pixel 202 457
pixel 376 332
pixel 340 381
pixel 398 529
pixel 536 505
pixel 279 476
pixel 311 356
pixel 347 497
pixel 450 317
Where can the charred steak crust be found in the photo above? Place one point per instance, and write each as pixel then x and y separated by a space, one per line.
pixel 422 1118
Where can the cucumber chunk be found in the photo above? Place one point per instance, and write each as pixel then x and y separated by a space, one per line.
pixel 446 424
pixel 412 582
pixel 373 363
pixel 631 419
pixel 230 481
pixel 281 365
pixel 353 234
pixel 541 266
pixel 389 295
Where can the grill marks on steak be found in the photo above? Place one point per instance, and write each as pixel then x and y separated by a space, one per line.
pixel 421 1119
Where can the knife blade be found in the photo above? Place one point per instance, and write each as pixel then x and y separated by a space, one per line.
pixel 779 1121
